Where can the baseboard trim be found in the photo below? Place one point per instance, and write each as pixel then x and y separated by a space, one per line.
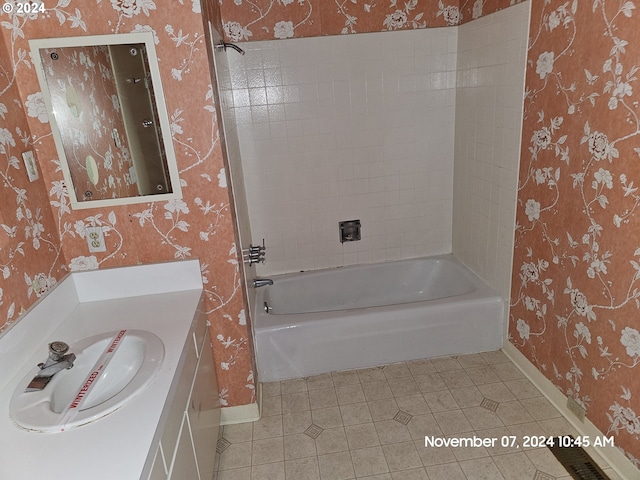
pixel 243 413
pixel 612 455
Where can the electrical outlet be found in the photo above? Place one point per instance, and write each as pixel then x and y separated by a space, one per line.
pixel 575 408
pixel 30 164
pixel 95 239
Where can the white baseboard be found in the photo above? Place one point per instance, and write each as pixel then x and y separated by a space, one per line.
pixel 242 413
pixel 612 455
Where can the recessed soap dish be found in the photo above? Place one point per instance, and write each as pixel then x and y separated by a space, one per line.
pixel 349 231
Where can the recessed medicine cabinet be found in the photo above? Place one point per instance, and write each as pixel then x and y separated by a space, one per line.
pixel 105 104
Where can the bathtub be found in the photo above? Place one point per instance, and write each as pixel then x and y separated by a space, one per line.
pixel 367 315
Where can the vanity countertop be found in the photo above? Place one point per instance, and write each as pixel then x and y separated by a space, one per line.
pixel 161 298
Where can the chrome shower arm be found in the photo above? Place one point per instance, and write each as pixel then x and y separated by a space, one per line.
pixel 223 46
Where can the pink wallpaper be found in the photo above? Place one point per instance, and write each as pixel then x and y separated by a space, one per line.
pixel 31 257
pixel 270 19
pixel 85 99
pixel 576 274
pixel 198 226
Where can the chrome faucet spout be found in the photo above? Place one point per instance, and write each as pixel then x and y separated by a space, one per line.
pixel 261 282
pixel 58 360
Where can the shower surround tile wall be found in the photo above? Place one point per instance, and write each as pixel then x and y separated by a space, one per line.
pixel 491 64
pixel 37 240
pixel 270 19
pixel 346 127
pixel 575 292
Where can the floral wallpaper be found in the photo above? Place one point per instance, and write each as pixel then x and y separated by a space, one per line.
pixel 575 296
pixel 269 19
pixel 31 257
pixel 84 93
pixel 198 226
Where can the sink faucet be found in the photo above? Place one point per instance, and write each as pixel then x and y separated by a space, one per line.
pixel 261 282
pixel 58 360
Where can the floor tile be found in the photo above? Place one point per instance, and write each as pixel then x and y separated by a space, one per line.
pixel 444 364
pixel 299 446
pixel 421 367
pixel 480 418
pixel 421 425
pixel 355 413
pixel 320 382
pixel 472 360
pixel 296 385
pixel 348 377
pixel 413 404
pixel 270 389
pixel 371 423
pixel 271 471
pixel 296 402
pixel 236 456
pixel 391 431
pixel 481 469
pixel 374 374
pixel 237 474
pixel 377 390
pixel 271 406
pixel 453 421
pixel 361 436
pixel 401 456
pixel 430 382
pixel 483 375
pixel 440 401
pixel 302 469
pixel 296 422
pixel 267 427
pixel 540 408
pixel 350 394
pixel 403 386
pixel 494 357
pixel 369 461
pixel 396 370
pixel 467 397
pixel 413 474
pixel 456 379
pixel 336 466
pixel 331 441
pixel 267 451
pixel 450 471
pixel 323 398
pixel 522 388
pixel 515 466
pixel 327 417
pixel 497 391
pixel 384 409
pixel 241 432
pixel 513 412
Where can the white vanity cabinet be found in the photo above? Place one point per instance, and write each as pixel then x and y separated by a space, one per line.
pixel 187 447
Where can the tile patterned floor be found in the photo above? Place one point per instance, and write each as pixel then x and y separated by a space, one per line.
pixel 371 423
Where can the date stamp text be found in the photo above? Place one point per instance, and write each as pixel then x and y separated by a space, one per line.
pixel 513 441
pixel 23 8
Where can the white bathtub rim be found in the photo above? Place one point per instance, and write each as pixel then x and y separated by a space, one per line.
pixel 264 320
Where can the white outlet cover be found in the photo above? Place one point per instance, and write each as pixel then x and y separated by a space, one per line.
pixel 30 164
pixel 95 239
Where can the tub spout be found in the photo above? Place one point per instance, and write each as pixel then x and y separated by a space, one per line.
pixel 261 282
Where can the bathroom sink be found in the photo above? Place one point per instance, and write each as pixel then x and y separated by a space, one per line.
pixel 93 387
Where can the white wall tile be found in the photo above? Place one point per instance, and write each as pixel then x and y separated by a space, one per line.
pixel 487 142
pixel 366 126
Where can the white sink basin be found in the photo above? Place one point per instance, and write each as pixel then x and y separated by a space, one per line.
pixel 130 369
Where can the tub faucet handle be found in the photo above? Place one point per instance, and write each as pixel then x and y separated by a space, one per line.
pixel 254 254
